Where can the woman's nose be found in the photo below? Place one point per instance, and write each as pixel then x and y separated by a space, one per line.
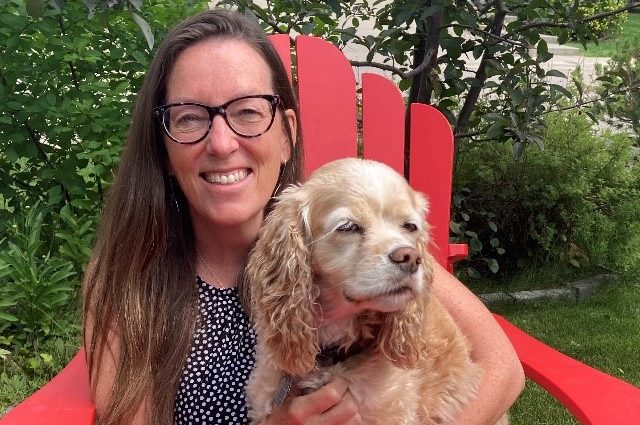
pixel 221 140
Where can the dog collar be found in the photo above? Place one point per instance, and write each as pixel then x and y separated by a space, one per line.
pixel 333 355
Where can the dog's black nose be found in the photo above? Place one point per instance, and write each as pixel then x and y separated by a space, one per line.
pixel 406 258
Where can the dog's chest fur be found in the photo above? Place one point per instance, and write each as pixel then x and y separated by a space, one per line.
pixel 430 393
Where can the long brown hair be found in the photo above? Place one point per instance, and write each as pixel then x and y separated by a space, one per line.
pixel 140 282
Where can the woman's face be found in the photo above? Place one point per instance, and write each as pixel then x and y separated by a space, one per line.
pixel 214 72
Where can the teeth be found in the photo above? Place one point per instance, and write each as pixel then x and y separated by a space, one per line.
pixel 226 178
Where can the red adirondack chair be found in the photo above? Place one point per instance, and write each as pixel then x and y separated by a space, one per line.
pixel 327 93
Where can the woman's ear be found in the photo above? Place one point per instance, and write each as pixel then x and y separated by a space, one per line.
pixel 292 122
pixel 280 281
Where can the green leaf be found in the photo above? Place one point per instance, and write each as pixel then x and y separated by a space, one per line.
pixel 404 16
pixel 404 84
pixel 146 29
pixel 555 73
pixel 35 8
pixel 455 227
pixel 48 358
pixel 141 58
pixel 475 244
pixel 496 130
pixel 493 265
pixel 8 317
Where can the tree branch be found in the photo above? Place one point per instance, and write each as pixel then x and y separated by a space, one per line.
pixel 385 67
pixel 35 138
pixel 488 34
pixel 74 76
pixel 577 105
pixel 22 185
pixel 548 24
pixel 431 55
pixel 481 73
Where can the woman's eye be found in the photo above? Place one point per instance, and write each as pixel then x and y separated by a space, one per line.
pixel 349 226
pixel 188 120
pixel 248 114
pixel 410 227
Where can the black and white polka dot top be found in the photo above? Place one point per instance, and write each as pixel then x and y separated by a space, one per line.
pixel 211 389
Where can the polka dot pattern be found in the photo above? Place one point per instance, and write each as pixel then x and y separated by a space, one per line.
pixel 211 389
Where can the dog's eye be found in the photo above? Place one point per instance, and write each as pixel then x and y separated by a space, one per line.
pixel 349 226
pixel 410 227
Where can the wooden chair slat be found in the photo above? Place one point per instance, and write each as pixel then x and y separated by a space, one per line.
pixel 430 171
pixel 282 44
pixel 382 121
pixel 327 95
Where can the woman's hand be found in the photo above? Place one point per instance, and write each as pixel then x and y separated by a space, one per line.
pixel 332 404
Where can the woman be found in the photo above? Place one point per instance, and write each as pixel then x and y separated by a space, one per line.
pixel 214 136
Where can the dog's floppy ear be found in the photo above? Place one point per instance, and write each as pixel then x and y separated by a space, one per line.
pixel 402 336
pixel 280 279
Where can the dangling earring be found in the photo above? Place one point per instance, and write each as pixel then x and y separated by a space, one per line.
pixel 279 182
pixel 173 193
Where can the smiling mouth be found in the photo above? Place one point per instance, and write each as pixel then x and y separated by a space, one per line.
pixel 225 178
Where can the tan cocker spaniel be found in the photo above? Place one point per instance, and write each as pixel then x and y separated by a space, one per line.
pixel 339 286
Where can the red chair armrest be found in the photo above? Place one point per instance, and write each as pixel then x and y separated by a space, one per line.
pixel 65 400
pixel 457 252
pixel 593 397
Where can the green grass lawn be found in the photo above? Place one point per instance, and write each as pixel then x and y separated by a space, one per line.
pixel 603 331
pixel 607 47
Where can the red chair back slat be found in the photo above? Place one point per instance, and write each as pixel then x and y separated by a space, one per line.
pixel 430 171
pixel 327 95
pixel 382 121
pixel 282 44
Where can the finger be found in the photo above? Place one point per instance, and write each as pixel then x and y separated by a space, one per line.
pixel 344 412
pixel 319 401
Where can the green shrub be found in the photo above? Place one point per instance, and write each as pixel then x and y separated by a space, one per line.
pixel 38 282
pixel 561 11
pixel 578 200
pixel 608 26
pixel 618 84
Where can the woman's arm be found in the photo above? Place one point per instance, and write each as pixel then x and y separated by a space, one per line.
pixel 104 372
pixel 503 378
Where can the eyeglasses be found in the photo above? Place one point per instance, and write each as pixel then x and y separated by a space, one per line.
pixel 247 116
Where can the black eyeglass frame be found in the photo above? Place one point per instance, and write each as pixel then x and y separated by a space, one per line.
pixel 273 99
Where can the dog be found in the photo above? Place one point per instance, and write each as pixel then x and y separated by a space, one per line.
pixel 338 285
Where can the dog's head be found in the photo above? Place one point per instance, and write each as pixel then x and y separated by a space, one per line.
pixel 352 239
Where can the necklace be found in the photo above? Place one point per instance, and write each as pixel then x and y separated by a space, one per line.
pixel 206 265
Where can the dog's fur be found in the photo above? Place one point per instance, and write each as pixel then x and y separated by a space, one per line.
pixel 342 260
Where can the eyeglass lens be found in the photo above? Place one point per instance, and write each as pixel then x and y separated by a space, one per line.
pixel 248 117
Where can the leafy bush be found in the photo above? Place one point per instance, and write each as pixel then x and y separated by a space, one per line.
pixel 37 282
pixel 556 11
pixel 578 200
pixel 67 87
pixel 608 26
pixel 618 84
